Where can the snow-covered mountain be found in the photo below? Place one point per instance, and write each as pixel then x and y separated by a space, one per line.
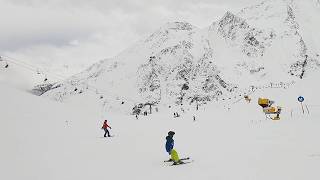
pixel 43 139
pixel 272 44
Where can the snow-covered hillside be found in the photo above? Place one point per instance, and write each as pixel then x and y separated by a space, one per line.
pixel 268 50
pixel 43 139
pixel 275 42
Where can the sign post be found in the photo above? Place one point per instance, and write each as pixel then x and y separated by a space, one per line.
pixel 301 99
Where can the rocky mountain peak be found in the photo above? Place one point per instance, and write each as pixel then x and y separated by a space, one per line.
pixel 182 64
pixel 182 26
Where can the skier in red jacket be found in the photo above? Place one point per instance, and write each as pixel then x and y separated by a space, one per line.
pixel 105 128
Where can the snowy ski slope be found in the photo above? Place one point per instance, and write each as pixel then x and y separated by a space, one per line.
pixel 230 139
pixel 41 139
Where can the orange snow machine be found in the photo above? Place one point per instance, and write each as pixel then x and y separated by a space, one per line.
pixel 268 109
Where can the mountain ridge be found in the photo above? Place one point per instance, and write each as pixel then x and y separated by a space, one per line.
pixel 180 63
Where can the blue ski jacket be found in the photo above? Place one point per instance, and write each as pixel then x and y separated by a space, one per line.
pixel 169 144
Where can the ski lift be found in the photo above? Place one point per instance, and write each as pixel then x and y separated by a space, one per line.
pixel 7 65
pixel 152 57
pixel 185 87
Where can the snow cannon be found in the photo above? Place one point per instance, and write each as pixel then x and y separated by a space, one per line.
pixel 263 102
pixel 268 109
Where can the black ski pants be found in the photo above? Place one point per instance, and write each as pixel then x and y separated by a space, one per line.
pixel 106 132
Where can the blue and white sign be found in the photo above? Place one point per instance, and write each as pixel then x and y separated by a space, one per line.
pixel 300 99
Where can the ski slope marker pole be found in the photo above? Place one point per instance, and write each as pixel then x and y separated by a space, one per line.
pixel 302 108
pixel 307 109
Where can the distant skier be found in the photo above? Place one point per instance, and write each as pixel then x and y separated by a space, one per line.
pixel 105 128
pixel 169 148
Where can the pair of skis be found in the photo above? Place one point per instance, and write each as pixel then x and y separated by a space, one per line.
pixel 182 161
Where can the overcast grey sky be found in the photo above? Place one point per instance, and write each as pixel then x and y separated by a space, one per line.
pixel 85 31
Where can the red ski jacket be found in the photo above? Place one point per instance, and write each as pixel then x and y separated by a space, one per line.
pixel 105 125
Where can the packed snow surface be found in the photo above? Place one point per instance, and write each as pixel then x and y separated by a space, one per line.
pixel 269 50
pixel 42 139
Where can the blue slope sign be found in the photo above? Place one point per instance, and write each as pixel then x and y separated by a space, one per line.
pixel 300 99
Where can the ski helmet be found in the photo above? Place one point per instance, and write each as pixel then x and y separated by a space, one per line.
pixel 171 133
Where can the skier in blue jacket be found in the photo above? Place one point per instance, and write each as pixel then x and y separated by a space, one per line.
pixel 170 142
pixel 172 152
